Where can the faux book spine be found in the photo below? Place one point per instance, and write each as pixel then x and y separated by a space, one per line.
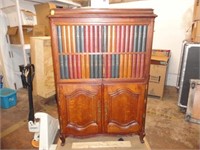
pixel 81 51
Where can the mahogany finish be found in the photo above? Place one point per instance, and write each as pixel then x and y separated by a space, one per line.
pixel 101 63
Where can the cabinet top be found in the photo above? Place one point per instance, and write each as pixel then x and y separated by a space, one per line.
pixel 102 13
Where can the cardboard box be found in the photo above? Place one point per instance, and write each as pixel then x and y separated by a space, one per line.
pixel 196 10
pixel 42 13
pixel 39 30
pixel 158 70
pixel 14 36
pixel 195 36
pixel 27 17
pixel 41 57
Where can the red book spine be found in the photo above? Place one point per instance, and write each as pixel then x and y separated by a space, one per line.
pixel 70 67
pixel 126 46
pixel 96 36
pixel 122 39
pixel 100 39
pixel 91 38
pixel 86 39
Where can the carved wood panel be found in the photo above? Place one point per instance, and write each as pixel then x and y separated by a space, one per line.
pixel 80 108
pixel 123 107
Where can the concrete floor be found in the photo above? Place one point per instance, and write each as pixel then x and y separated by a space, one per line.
pixel 166 127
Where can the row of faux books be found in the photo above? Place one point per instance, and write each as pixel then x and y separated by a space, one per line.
pixel 101 38
pixel 102 66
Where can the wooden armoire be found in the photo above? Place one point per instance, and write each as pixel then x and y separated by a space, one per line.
pixel 101 61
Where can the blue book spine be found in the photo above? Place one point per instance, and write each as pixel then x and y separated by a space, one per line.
pixel 117 65
pixel 95 67
pixel 62 70
pixel 113 66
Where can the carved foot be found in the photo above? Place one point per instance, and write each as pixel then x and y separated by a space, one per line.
pixel 62 138
pixel 142 137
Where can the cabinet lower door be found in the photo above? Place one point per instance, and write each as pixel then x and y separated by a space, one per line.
pixel 79 109
pixel 124 108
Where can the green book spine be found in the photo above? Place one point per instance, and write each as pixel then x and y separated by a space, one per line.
pixel 117 66
pixel 91 35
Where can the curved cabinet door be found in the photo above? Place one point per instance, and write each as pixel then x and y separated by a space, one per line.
pixel 79 109
pixel 124 108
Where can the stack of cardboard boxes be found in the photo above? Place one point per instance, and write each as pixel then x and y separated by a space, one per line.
pixel 32 25
pixel 41 56
pixel 195 36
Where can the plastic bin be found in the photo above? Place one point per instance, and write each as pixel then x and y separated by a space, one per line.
pixel 8 98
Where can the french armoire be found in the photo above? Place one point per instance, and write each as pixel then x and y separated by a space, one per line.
pixel 101 60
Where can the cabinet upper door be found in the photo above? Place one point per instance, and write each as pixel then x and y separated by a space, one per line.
pixel 79 109
pixel 124 107
pixel 91 44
